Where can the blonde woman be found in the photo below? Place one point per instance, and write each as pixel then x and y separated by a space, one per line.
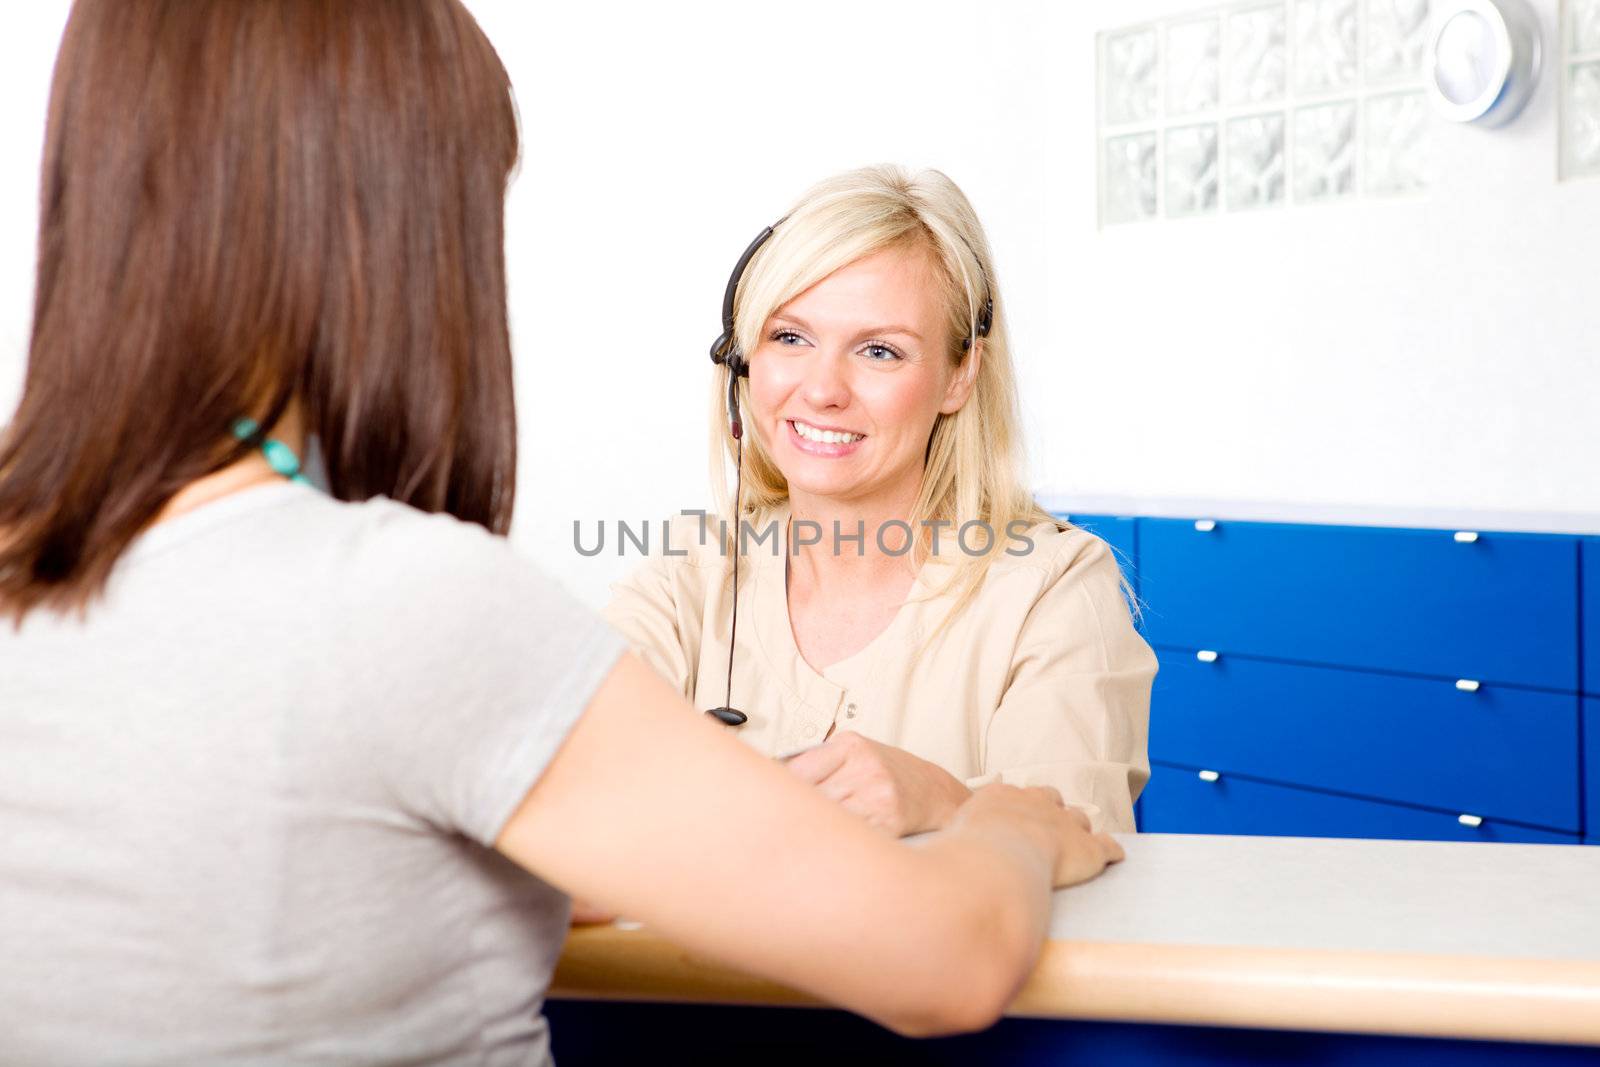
pixel 910 623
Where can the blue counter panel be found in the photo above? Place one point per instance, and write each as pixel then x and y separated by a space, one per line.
pixel 1178 801
pixel 1496 752
pixel 1498 608
pixel 597 1034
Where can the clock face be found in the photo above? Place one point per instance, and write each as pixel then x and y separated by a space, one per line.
pixel 1484 59
pixel 1467 65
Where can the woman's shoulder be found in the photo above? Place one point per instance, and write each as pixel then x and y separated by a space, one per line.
pixel 1055 581
pixel 1053 550
pixel 380 556
pixel 677 563
pixel 381 533
pixel 1043 569
pixel 695 547
pixel 414 591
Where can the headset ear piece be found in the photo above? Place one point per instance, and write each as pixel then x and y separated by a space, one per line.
pixel 735 423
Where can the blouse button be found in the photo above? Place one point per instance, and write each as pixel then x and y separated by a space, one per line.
pixel 810 731
pixel 849 711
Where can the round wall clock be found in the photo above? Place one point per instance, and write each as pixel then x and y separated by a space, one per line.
pixel 1483 59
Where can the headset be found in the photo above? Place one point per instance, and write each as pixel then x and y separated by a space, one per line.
pixel 725 352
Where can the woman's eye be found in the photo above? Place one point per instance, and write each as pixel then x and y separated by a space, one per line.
pixel 880 353
pixel 788 337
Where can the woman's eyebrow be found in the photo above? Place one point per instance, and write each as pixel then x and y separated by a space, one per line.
pixel 871 331
pixel 880 330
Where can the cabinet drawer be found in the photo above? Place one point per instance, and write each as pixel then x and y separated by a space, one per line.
pixel 1502 608
pixel 1591 616
pixel 1507 753
pixel 1591 763
pixel 1120 533
pixel 1178 801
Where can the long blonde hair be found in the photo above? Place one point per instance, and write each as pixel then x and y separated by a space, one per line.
pixel 974 460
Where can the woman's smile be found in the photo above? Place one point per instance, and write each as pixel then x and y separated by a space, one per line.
pixel 827 441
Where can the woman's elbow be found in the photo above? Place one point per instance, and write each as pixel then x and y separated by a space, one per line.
pixel 970 990
pixel 964 1012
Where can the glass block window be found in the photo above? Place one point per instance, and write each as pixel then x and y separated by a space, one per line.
pixel 1397 143
pixel 1396 39
pixel 1580 89
pixel 1583 25
pixel 1273 103
pixel 1325 151
pixel 1131 73
pixel 1255 161
pixel 1325 37
pixel 1192 155
pixel 1257 57
pixel 1194 64
pixel 1130 178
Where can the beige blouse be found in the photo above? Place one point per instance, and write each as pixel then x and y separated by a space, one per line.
pixel 1040 680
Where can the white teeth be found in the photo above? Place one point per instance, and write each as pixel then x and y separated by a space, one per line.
pixel 826 437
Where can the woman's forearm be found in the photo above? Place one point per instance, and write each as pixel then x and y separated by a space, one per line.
pixel 785 884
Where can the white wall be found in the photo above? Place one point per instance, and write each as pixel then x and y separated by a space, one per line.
pixel 659 139
pixel 1409 353
pixel 1435 353
pixel 659 142
pixel 27 56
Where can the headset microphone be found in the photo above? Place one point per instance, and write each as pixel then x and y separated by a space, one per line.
pixel 725 353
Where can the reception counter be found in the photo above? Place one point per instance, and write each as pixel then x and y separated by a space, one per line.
pixel 1470 943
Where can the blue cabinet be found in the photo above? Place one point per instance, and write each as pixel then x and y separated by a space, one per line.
pixel 1368 681
pixel 1496 608
pixel 1179 800
pixel 1496 752
pixel 1591 616
pixel 1591 765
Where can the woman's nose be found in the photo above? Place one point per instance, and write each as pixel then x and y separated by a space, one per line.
pixel 826 383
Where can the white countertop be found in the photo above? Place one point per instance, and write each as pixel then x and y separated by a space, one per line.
pixel 1435 897
pixel 1464 940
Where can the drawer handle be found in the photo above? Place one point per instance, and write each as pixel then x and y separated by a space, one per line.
pixel 1211 776
pixel 1205 525
pixel 1468 685
pixel 1205 655
pixel 1472 821
pixel 1466 537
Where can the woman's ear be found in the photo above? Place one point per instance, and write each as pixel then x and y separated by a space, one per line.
pixel 962 381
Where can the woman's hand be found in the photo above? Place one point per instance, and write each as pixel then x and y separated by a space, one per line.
pixel 1053 828
pixel 888 787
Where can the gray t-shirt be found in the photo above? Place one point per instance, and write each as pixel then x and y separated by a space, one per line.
pixel 246 802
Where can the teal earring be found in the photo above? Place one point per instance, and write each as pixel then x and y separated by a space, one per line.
pixel 280 457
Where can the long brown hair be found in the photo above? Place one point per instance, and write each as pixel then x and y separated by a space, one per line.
pixel 247 204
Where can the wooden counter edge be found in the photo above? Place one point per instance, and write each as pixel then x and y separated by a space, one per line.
pixel 1464 997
